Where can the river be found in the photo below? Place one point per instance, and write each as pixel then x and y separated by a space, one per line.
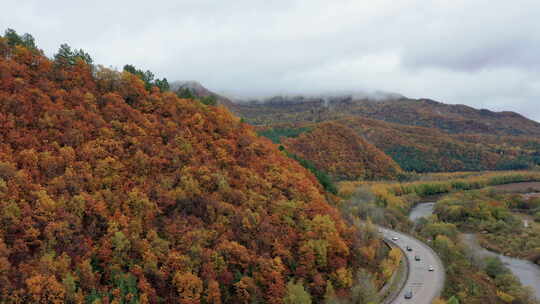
pixel 527 272
pixel 421 210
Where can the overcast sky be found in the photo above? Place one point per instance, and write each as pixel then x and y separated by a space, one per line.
pixel 483 53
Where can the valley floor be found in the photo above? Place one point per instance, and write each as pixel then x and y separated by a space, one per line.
pixel 470 278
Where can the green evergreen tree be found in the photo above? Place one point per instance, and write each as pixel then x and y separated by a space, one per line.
pixel 148 78
pixel 185 93
pixel 68 57
pixel 25 40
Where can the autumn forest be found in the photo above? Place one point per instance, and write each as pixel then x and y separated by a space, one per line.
pixel 116 191
pixel 120 187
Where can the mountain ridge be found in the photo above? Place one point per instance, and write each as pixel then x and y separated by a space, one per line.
pixel 421 135
pixel 367 100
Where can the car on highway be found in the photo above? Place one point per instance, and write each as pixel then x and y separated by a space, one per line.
pixel 430 268
pixel 395 238
pixel 408 294
pixel 417 258
pixel 409 248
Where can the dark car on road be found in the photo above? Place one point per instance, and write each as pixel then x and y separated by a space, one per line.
pixel 417 258
pixel 408 294
pixel 409 248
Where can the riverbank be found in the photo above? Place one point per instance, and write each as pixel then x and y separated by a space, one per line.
pixel 527 272
pixel 523 187
pixel 401 205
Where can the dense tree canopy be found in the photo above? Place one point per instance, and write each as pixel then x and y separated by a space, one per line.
pixel 341 152
pixel 67 56
pixel 148 78
pixel 26 40
pixel 420 135
pixel 112 192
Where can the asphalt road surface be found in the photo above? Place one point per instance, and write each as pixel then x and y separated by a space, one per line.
pixel 425 285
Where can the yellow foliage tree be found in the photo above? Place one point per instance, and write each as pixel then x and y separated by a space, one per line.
pixel 189 287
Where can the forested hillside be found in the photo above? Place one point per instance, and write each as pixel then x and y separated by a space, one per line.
pixel 452 119
pixel 342 153
pixel 423 149
pixel 193 89
pixel 420 135
pixel 114 190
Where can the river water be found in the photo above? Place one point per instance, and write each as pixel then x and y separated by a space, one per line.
pixel 528 273
pixel 421 210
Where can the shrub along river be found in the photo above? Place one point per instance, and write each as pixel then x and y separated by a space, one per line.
pixel 527 272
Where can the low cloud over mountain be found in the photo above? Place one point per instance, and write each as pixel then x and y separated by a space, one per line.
pixel 480 53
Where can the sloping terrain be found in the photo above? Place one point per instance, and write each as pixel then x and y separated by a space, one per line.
pixel 430 150
pixel 420 135
pixel 342 153
pixel 453 119
pixel 116 194
pixel 197 90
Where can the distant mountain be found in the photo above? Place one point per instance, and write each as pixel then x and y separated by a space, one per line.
pixel 419 134
pixel 198 90
pixel 456 119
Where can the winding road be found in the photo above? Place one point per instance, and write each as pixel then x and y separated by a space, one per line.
pixel 425 285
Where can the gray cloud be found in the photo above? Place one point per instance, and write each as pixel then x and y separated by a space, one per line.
pixel 476 52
